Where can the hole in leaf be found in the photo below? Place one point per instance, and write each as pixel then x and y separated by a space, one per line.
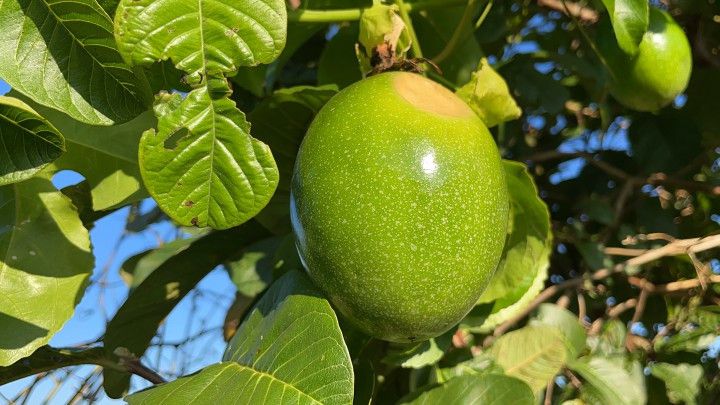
pixel 172 141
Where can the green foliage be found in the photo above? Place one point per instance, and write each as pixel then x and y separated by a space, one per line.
pixel 610 380
pixel 135 323
pixel 608 286
pixel 533 354
pixel 201 165
pixel 205 37
pixel 253 271
pixel 488 95
pixel 281 121
pixel 75 65
pixel 682 381
pixel 105 156
pixel 522 270
pixel 338 62
pixel 419 355
pixel 630 21
pixel 288 349
pixel 567 323
pixel 45 262
pixel 34 141
pixel 484 389
pixel 137 268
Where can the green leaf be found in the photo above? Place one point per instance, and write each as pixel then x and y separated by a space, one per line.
pixel 364 381
pixel 481 364
pixel 105 155
pixel 611 340
pixel 662 142
pixel 338 62
pixel 419 355
pixel 687 340
pixel 682 381
pixel 252 272
pixel 281 121
pixel 79 195
pixel 488 95
pixel 534 354
pixel 136 322
pixel 489 389
pixel 201 165
pixel 201 37
pixel 566 322
pixel 533 89
pixel 288 350
pixel 138 267
pixel 701 103
pixel 28 142
pixel 63 55
pixel 45 261
pixel 610 380
pixel 524 265
pixel 630 19
pixel 593 254
pixel 435 29
pixel 260 80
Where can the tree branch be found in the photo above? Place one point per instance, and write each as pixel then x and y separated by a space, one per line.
pixel 586 15
pixel 674 248
pixel 655 179
pixel 47 358
pixel 353 14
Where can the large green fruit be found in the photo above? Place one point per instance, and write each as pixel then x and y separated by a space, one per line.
pixel 657 73
pixel 399 206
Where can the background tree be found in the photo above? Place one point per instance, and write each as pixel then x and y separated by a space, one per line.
pixel 608 290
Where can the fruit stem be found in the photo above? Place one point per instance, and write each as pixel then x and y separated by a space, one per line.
pixel 415 45
pixel 353 14
pixel 460 32
pixel 484 14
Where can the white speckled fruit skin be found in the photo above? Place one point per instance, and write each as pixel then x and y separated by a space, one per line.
pixel 400 213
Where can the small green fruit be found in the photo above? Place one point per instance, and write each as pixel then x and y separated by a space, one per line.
pixel 657 73
pixel 399 206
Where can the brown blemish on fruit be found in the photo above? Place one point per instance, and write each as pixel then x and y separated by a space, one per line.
pixel 429 96
pixel 189 203
pixel 194 221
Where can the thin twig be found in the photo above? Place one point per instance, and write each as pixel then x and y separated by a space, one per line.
pixel 353 14
pixel 573 379
pixel 415 45
pixel 460 32
pixel 582 308
pixel 130 363
pixel 654 179
pixel 485 13
pixel 640 307
pixel 577 10
pixel 549 393
pixel 618 251
pixel 85 384
pixel 618 309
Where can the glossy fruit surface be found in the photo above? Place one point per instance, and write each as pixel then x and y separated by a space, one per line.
pixel 652 78
pixel 399 206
